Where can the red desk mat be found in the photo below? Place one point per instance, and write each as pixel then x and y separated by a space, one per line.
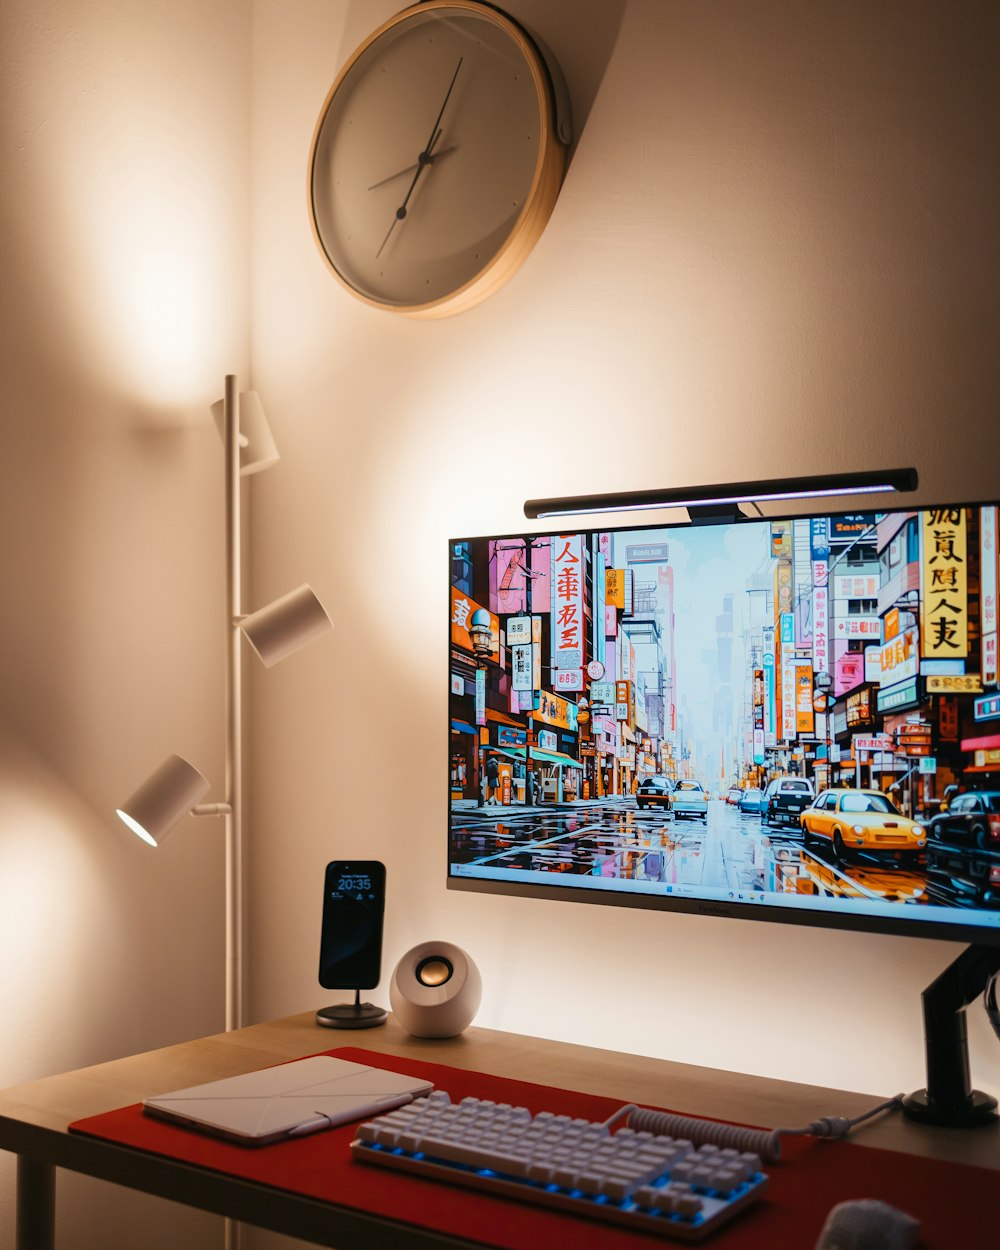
pixel 955 1204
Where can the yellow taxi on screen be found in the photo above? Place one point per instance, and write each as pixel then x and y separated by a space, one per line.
pixel 860 820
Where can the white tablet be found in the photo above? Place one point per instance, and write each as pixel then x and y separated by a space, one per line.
pixel 289 1100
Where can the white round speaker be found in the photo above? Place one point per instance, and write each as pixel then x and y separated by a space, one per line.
pixel 435 990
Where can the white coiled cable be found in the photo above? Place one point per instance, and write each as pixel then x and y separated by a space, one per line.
pixel 704 1132
pixel 766 1143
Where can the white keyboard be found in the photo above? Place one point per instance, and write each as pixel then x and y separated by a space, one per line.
pixel 642 1181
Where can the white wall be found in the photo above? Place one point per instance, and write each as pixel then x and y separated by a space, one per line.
pixel 774 253
pixel 124 254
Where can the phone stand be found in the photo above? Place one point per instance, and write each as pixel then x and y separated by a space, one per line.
pixel 356 1015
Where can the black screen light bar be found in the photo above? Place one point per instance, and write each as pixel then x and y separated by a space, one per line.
pixel 733 493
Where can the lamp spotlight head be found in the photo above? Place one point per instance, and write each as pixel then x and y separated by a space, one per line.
pixel 163 800
pixel 257 447
pixel 286 625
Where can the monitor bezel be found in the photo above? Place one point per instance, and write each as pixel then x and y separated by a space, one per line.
pixel 906 925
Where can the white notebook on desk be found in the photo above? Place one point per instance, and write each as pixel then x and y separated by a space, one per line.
pixel 290 1100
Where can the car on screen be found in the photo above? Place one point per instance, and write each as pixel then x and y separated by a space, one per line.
pixel 689 801
pixel 972 820
pixel 861 820
pixel 785 799
pixel 733 796
pixel 751 800
pixel 963 850
pixel 654 792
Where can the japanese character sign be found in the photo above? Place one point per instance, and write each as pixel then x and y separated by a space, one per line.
pixel 944 585
pixel 567 601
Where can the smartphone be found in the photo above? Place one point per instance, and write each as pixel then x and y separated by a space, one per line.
pixel 350 949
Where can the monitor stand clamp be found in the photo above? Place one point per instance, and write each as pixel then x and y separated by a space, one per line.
pixel 949 1098
pixel 356 1015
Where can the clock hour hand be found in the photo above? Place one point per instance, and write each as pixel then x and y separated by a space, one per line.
pixel 423 160
pixel 410 168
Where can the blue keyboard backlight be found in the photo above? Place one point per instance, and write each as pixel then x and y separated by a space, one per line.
pixel 491 1175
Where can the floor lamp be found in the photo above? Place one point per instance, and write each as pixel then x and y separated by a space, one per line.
pixel 175 789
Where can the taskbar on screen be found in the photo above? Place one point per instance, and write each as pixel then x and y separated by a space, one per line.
pixel 913 908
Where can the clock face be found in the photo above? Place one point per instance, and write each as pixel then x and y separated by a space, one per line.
pixel 435 164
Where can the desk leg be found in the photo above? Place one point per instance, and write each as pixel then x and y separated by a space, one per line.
pixel 36 1205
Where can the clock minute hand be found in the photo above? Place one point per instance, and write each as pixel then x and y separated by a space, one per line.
pixel 424 159
pixel 447 96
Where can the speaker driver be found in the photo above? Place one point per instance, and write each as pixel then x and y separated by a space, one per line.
pixel 434 971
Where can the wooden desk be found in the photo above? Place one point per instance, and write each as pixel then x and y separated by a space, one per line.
pixel 34 1119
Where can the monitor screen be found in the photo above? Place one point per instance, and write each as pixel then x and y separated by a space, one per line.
pixel 787 719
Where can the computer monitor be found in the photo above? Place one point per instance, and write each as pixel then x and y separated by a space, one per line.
pixel 793 720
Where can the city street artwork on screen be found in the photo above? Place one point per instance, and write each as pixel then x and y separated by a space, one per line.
pixel 799 714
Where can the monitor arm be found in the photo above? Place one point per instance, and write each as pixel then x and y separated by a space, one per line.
pixel 949 1098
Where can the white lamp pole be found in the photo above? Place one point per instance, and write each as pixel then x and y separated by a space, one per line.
pixel 275 631
pixel 234 713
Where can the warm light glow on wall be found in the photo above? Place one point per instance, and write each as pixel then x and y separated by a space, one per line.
pixel 152 258
pixel 144 207
pixel 44 899
pixel 34 914
pixel 160 310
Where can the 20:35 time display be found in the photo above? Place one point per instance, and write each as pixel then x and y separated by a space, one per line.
pixel 348 884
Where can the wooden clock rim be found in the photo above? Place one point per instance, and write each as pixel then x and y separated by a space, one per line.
pixel 538 203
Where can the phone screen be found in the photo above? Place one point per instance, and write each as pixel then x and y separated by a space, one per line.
pixel 350 951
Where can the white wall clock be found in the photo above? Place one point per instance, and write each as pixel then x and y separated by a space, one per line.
pixel 437 158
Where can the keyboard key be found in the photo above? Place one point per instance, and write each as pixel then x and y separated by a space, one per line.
pixel 727 1179
pixel 616 1188
pixel 589 1182
pixel 503 1161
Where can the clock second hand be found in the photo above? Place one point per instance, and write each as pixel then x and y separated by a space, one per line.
pixel 424 159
